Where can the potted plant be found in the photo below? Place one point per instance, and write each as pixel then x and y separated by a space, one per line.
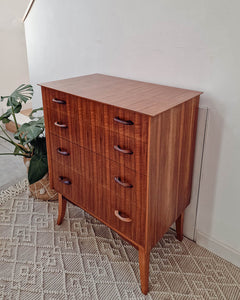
pixel 29 141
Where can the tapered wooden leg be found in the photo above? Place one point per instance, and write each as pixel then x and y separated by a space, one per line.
pixel 144 269
pixel 179 227
pixel 62 202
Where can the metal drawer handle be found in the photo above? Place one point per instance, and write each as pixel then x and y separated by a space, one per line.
pixel 62 152
pixel 58 101
pixel 125 151
pixel 124 122
pixel 60 125
pixel 124 219
pixel 124 184
pixel 64 180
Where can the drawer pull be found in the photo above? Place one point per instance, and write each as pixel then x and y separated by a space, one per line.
pixel 125 151
pixel 64 180
pixel 62 152
pixel 60 125
pixel 124 122
pixel 58 101
pixel 124 184
pixel 124 219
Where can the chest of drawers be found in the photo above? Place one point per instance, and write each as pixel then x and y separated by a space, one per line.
pixel 123 151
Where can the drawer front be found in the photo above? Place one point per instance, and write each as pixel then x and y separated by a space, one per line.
pixel 93 113
pixel 114 177
pixel 120 213
pixel 59 101
pixel 107 144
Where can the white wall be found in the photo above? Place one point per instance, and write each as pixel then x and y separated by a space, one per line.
pixel 13 52
pixel 189 44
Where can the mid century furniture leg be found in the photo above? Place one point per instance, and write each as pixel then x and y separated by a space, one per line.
pixel 144 269
pixel 179 227
pixel 62 202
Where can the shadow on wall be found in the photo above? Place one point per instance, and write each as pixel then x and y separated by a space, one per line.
pixel 211 157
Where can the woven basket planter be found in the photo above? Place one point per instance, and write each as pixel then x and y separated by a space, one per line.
pixel 41 189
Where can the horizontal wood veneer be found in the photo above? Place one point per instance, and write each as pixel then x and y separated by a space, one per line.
pixel 102 201
pixel 104 146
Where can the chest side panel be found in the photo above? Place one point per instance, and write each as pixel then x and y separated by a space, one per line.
pixel 170 167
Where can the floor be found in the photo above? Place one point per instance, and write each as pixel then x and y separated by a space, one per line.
pixel 83 259
pixel 12 167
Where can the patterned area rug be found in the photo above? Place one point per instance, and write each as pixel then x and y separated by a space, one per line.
pixel 83 259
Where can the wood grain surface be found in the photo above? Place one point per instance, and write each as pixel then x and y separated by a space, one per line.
pixel 103 172
pixel 62 204
pixel 123 151
pixel 77 111
pixel 48 136
pixel 171 151
pixel 103 144
pixel 102 201
pixel 146 98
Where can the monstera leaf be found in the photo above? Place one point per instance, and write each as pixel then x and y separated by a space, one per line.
pixel 4 117
pixel 38 164
pixel 30 131
pixel 16 109
pixel 31 116
pixel 23 93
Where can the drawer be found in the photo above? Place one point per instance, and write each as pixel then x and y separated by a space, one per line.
pixel 107 144
pixel 78 110
pixel 59 101
pixel 119 213
pixel 112 176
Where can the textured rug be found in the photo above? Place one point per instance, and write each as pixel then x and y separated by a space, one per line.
pixel 84 259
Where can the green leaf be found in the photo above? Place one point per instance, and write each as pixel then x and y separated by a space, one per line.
pixel 5 120
pixel 31 116
pixel 38 163
pixel 12 101
pixel 39 145
pixel 30 131
pixel 4 97
pixel 38 168
pixel 23 93
pixel 6 114
pixel 17 108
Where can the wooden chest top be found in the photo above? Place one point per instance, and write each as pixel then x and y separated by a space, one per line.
pixel 145 98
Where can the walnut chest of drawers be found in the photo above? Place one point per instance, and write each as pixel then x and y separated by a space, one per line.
pixel 123 151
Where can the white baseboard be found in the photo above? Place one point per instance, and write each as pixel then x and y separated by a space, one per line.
pixel 218 248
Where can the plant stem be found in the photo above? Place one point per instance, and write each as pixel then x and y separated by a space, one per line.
pixel 18 154
pixel 16 124
pixel 4 131
pixel 14 117
pixel 2 137
pixel 12 142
